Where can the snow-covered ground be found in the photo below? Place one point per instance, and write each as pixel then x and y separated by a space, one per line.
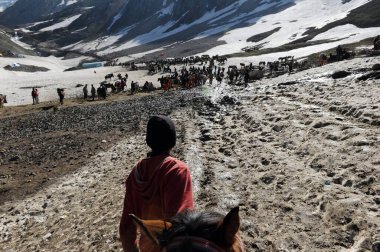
pixel 18 85
pixel 301 52
pixel 294 22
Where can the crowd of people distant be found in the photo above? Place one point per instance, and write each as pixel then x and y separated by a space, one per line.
pixel 196 71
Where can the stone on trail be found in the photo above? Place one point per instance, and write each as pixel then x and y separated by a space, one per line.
pixel 15 158
pixel 268 179
pixel 376 67
pixel 277 128
pixel 340 74
pixel 321 124
pixel 227 100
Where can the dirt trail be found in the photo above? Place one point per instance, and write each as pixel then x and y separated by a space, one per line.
pixel 298 154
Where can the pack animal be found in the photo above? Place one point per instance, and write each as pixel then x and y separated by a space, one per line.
pixel 3 99
pixel 109 76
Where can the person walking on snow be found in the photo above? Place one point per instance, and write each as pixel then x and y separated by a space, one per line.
pixel 85 92
pixel 93 92
pixel 34 96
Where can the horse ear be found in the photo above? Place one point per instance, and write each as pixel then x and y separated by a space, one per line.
pixel 230 226
pixel 151 228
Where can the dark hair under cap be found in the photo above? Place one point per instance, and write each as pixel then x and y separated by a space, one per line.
pixel 161 134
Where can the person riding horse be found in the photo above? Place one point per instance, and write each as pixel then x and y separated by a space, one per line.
pixel 158 187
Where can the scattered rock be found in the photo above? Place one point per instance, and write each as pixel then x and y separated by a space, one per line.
pixel 205 137
pixel 15 158
pixel 265 161
pixel 337 180
pixel 340 74
pixel 362 143
pixel 44 206
pixel 47 236
pixel 371 75
pixel 288 83
pixel 268 179
pixel 321 124
pixel 26 68
pixel 277 128
pixel 210 104
pixel 227 100
pixel 348 183
pixel 376 67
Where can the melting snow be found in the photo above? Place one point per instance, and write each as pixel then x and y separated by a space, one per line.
pixel 294 22
pixel 62 24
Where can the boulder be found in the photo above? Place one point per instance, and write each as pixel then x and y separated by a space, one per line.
pixel 376 67
pixel 340 74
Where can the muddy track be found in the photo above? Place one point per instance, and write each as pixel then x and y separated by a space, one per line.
pixel 289 161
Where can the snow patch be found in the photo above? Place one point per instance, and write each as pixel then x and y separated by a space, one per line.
pixel 62 24
pixel 167 11
pixel 294 22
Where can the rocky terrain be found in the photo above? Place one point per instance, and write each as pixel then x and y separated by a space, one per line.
pixel 26 68
pixel 297 153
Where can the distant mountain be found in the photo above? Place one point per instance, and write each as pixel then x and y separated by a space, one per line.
pixel 5 4
pixel 122 27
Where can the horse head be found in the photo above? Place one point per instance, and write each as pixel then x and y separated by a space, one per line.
pixel 195 231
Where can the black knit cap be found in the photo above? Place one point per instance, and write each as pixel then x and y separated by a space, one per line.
pixel 161 134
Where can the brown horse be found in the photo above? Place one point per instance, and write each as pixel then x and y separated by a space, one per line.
pixel 195 231
pixel 3 99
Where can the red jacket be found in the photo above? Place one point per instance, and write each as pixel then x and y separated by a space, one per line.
pixel 157 188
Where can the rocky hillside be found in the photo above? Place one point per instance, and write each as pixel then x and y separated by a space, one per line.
pixel 118 27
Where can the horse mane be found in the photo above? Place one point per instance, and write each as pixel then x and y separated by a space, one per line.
pixel 190 223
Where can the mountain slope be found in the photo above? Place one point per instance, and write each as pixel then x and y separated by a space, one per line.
pixel 123 27
pixel 6 3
